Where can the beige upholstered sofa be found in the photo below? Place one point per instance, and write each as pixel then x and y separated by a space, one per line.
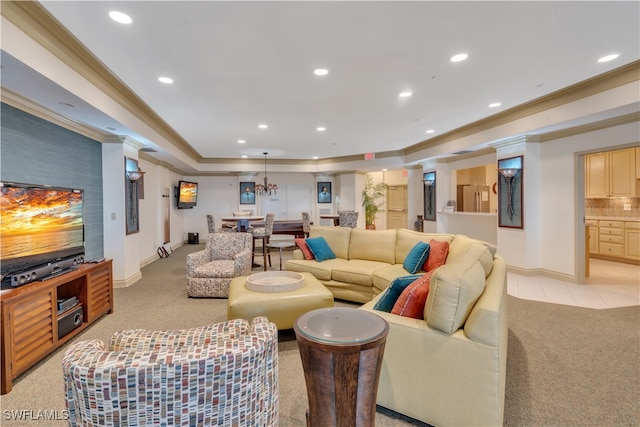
pixel 449 367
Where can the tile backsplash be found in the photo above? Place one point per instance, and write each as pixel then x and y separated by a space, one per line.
pixel 613 207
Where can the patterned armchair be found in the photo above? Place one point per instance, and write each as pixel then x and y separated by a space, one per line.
pixel 348 219
pixel 209 271
pixel 221 375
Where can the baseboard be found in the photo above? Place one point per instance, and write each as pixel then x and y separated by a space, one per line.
pixel 615 259
pixel 128 281
pixel 543 272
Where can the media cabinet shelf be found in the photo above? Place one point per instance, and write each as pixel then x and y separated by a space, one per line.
pixel 30 315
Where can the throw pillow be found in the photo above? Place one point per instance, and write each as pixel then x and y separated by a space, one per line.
pixel 437 255
pixel 416 257
pixel 411 302
pixel 302 245
pixel 320 249
pixel 391 294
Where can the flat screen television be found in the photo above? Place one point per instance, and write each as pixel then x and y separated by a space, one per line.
pixel 39 226
pixel 187 194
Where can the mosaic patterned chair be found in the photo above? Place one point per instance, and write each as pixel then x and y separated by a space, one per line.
pixel 209 271
pixel 220 375
pixel 306 223
pixel 348 219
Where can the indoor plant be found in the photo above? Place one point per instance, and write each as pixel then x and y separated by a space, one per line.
pixel 370 195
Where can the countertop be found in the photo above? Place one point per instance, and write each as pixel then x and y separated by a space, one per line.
pixel 613 218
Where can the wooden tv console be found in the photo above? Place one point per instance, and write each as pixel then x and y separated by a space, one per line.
pixel 30 315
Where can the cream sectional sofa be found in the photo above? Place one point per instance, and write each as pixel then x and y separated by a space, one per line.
pixel 448 368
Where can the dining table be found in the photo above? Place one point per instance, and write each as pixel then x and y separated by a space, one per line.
pixel 242 221
pixel 334 217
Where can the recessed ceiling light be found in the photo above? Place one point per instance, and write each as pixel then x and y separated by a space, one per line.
pixel 263 126
pixel 241 141
pixel 244 156
pixel 384 170
pixel 430 131
pixel 405 94
pixel 494 105
pixel 321 128
pixel 120 18
pixel 315 157
pixel 608 57
pixel 320 71
pixel 166 80
pixel 459 57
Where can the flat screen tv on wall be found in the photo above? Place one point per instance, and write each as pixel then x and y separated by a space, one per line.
pixel 41 230
pixel 187 194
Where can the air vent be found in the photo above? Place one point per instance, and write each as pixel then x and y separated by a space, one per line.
pixel 457 153
pixel 148 150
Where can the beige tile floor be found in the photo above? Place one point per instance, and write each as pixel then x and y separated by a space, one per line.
pixel 611 284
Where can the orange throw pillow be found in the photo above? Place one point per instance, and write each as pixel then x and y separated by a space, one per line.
pixel 304 248
pixel 411 301
pixel 437 255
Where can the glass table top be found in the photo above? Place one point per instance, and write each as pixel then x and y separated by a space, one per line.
pixel 341 325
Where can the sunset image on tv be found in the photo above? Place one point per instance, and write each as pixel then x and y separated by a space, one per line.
pixel 188 192
pixel 39 220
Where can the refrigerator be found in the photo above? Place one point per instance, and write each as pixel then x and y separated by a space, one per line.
pixel 473 198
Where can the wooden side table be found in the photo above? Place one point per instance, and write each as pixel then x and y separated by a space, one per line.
pixel 341 350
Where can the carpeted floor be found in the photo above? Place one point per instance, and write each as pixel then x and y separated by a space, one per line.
pixel 565 366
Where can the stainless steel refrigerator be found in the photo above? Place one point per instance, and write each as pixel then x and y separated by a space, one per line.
pixel 473 198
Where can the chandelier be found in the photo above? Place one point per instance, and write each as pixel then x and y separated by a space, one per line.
pixel 268 188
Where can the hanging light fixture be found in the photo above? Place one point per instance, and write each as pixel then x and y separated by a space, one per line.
pixel 268 188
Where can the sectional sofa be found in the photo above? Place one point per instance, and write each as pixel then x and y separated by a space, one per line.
pixel 448 366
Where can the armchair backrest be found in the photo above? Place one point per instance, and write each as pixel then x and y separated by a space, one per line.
pixel 140 386
pixel 268 224
pixel 227 245
pixel 348 219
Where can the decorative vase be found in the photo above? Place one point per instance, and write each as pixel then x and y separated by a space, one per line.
pixel 419 225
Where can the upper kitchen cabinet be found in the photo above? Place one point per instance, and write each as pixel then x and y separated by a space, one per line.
pixel 611 174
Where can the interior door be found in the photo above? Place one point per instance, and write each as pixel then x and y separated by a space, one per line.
pixel 397 206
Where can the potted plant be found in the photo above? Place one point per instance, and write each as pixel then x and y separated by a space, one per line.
pixel 370 195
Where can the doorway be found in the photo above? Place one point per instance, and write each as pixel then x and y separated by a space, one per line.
pixel 288 203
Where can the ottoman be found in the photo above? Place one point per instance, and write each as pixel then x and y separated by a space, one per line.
pixel 281 308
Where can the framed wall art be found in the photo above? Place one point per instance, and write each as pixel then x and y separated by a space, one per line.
pixel 429 181
pixel 510 195
pixel 324 192
pixel 131 190
pixel 247 193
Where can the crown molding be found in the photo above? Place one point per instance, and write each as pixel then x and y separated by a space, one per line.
pixel 591 127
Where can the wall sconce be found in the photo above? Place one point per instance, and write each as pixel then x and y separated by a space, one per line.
pixel 429 181
pixel 509 175
pixel 135 175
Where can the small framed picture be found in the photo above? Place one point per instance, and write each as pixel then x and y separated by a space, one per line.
pixel 247 193
pixel 324 192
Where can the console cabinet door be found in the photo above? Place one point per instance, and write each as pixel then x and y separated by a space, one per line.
pixel 99 291
pixel 32 321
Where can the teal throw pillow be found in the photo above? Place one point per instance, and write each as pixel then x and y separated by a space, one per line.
pixel 320 249
pixel 393 292
pixel 416 257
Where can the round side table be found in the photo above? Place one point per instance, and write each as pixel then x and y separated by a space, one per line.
pixel 341 350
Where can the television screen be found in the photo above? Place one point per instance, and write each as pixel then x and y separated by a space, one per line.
pixel 187 194
pixel 38 225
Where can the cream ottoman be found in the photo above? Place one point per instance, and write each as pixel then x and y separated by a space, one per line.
pixel 281 308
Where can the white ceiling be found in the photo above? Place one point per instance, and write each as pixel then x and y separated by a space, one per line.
pixel 238 64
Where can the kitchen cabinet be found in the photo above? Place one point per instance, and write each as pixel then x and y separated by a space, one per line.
pixel 611 238
pixel 611 174
pixel 637 164
pixel 592 229
pixel 632 240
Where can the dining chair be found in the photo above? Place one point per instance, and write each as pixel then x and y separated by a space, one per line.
pixel 264 234
pixel 306 223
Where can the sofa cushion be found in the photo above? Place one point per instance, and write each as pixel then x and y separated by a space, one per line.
pixel 391 294
pixel 437 255
pixel 218 268
pixel 320 249
pixel 356 271
pixel 373 245
pixel 416 257
pixel 336 237
pixel 483 254
pixel 406 240
pixel 412 300
pixel 382 277
pixel 319 270
pixel 454 289
pixel 302 244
